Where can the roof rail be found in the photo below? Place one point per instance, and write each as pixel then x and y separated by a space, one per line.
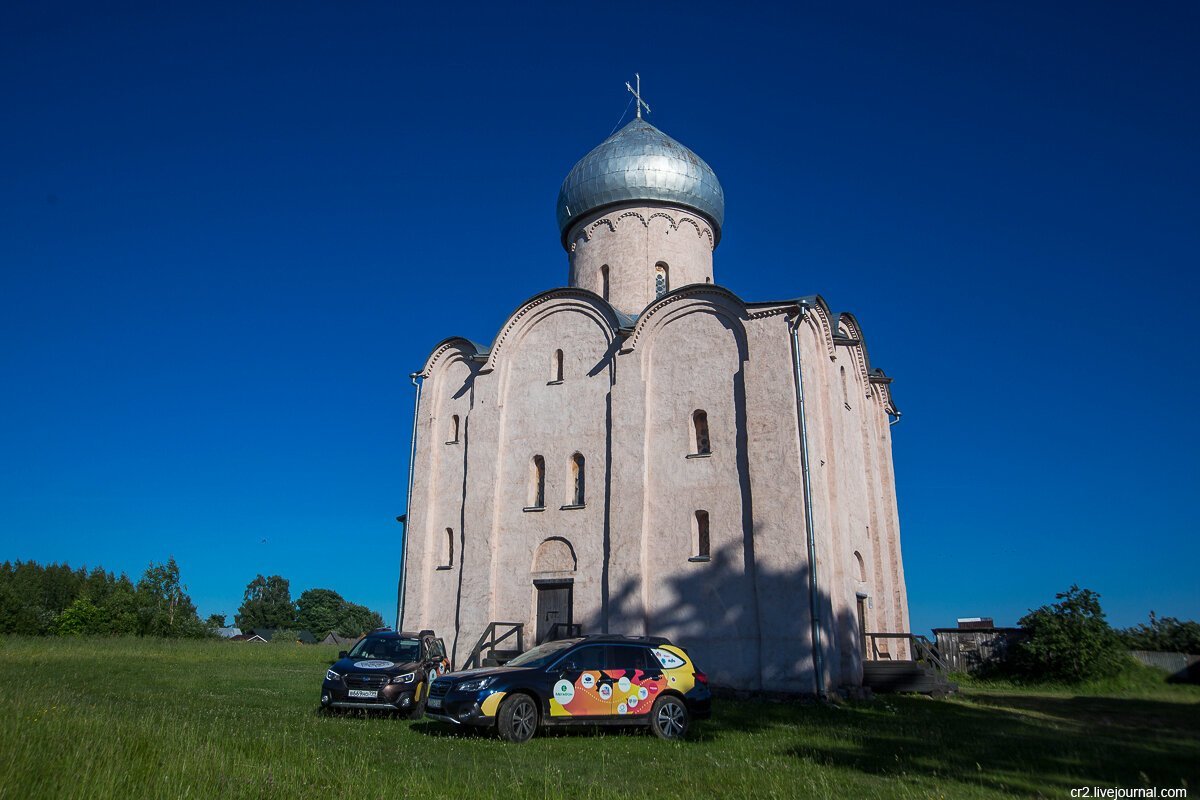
pixel 618 637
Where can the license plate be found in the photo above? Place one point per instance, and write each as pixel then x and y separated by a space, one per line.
pixel 364 694
pixel 434 702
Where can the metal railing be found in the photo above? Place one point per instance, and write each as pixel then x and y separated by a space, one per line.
pixel 491 637
pixel 919 649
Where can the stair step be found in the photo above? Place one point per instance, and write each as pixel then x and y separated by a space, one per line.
pixel 896 665
pixel 905 676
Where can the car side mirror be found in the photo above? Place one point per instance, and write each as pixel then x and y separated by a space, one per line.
pixel 342 654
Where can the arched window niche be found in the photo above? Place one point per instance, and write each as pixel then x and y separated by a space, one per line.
pixel 452 431
pixel 537 484
pixel 556 368
pixel 662 279
pixel 862 567
pixel 578 496
pixel 700 536
pixel 845 389
pixel 604 281
pixel 701 445
pixel 447 550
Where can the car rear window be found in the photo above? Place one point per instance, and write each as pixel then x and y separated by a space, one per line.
pixel 627 657
pixel 586 658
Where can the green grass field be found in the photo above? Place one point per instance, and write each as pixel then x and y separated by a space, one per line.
pixel 148 718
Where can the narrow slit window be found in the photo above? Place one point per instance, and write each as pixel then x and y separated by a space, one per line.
pixel 452 434
pixel 556 367
pixel 700 441
pixel 537 483
pixel 662 282
pixel 845 389
pixel 577 480
pixel 702 547
pixel 447 550
pixel 604 281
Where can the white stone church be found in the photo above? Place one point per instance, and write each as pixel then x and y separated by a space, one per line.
pixel 644 452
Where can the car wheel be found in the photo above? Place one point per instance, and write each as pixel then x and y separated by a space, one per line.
pixel 669 718
pixel 418 709
pixel 518 718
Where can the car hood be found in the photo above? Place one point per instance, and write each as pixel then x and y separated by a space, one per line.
pixel 345 665
pixel 481 672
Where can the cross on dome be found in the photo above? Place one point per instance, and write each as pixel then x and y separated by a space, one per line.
pixel 638 94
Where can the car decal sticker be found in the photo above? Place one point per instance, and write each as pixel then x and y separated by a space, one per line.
pixel 682 677
pixel 668 659
pixel 491 703
pixel 623 692
pixel 637 691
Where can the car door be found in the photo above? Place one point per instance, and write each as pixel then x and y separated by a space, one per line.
pixel 636 679
pixel 581 687
pixel 439 664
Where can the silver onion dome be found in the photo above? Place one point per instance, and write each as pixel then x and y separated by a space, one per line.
pixel 640 162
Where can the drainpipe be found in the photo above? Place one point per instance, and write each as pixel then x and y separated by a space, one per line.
pixel 403 518
pixel 813 594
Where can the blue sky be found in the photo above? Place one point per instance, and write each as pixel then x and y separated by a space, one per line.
pixel 228 232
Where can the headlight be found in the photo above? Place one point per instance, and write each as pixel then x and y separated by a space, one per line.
pixel 330 675
pixel 475 685
pixel 407 677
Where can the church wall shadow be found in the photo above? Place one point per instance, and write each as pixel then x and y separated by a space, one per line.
pixel 749 630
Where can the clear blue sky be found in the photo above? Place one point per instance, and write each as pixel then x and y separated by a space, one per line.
pixel 229 231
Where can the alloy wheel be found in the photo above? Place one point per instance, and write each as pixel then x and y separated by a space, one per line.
pixel 524 719
pixel 670 720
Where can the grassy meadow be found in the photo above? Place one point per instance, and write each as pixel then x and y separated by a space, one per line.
pixel 129 718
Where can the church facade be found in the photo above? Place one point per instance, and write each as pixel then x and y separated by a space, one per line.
pixel 645 452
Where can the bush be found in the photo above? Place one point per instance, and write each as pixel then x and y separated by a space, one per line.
pixel 1165 634
pixel 81 618
pixel 1069 641
pixel 285 636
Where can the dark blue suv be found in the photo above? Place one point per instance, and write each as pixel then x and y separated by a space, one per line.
pixel 385 671
pixel 615 680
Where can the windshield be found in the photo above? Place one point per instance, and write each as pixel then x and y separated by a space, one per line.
pixel 540 656
pixel 399 650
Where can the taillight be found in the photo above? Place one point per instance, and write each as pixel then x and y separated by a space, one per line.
pixel 700 678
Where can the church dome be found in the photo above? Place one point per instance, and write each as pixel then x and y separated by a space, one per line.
pixel 640 162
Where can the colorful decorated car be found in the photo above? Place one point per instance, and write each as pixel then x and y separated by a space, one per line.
pixel 385 671
pixel 595 680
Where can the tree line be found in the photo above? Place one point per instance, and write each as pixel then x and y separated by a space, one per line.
pixel 54 599
pixel 1071 641
pixel 268 604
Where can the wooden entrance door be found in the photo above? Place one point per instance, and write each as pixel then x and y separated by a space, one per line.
pixel 553 605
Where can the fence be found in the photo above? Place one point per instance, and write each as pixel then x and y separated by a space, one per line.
pixel 970 649
pixel 1180 667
